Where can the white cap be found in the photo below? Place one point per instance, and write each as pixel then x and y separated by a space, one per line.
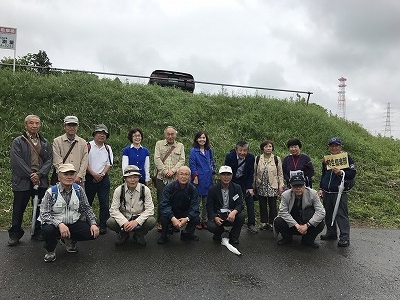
pixel 225 169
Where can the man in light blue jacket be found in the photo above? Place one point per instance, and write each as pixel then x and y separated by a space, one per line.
pixel 300 213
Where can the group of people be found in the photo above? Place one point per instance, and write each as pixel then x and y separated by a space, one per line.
pixel 187 195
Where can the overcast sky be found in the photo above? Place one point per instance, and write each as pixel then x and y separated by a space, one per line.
pixel 298 45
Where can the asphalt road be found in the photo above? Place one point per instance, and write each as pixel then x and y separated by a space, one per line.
pixel 368 269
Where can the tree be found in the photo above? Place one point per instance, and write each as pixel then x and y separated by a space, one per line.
pixel 39 62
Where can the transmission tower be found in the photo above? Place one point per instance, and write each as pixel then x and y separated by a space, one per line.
pixel 342 98
pixel 388 130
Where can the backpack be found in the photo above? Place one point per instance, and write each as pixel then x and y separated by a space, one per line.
pixel 89 146
pixel 122 199
pixel 54 191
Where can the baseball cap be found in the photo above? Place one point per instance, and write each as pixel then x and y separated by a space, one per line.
pixel 71 120
pixel 131 170
pixel 66 168
pixel 296 180
pixel 335 140
pixel 100 128
pixel 225 169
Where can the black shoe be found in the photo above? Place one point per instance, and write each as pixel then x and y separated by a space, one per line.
pixel 342 243
pixel 139 239
pixel 13 242
pixel 122 238
pixel 310 244
pixel 103 230
pixel 162 240
pixel 284 242
pixel 328 237
pixel 233 241
pixel 37 237
pixel 217 238
pixel 189 237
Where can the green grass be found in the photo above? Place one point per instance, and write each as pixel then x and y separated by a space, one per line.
pixel 227 118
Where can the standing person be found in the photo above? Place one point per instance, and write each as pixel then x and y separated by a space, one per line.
pixel 75 145
pixel 60 213
pixel 31 159
pixel 202 167
pixel 328 190
pixel 100 159
pixel 242 163
pixel 137 155
pixel 180 207
pixel 297 161
pixel 300 213
pixel 268 183
pixel 169 156
pixel 225 206
pixel 132 209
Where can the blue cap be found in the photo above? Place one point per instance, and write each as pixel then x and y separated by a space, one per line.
pixel 335 140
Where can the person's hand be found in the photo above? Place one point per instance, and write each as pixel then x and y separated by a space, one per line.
pixel 321 193
pixel 97 177
pixel 35 178
pixel 250 192
pixel 94 231
pixel 176 223
pixel 231 217
pixel 302 229
pixel 218 221
pixel 78 180
pixel 280 190
pixel 183 221
pixel 337 171
pixel 169 173
pixel 64 231
pixel 130 225
pixel 196 181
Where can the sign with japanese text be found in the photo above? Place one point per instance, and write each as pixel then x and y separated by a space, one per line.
pixel 340 161
pixel 8 38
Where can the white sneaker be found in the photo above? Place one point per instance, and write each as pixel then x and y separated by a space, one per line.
pixel 69 245
pixel 50 256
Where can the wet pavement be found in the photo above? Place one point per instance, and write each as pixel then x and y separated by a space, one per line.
pixel 368 269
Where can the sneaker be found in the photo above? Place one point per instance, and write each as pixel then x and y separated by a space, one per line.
pixel 189 237
pixel 50 256
pixel 69 245
pixel 343 243
pixel 13 242
pixel 162 240
pixel 283 241
pixel 122 238
pixel 139 239
pixel 217 238
pixel 264 226
pixel 233 241
pixel 252 229
pixel 328 237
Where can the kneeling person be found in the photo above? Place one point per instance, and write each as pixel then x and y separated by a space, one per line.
pixel 132 208
pixel 224 207
pixel 63 207
pixel 300 213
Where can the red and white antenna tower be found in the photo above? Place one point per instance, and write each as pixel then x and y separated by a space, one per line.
pixel 342 98
pixel 388 130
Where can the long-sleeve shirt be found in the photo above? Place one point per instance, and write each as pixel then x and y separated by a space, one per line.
pixel 173 162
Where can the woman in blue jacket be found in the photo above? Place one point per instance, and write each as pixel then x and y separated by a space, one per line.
pixel 202 167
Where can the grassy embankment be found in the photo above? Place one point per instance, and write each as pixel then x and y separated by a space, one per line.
pixel 375 201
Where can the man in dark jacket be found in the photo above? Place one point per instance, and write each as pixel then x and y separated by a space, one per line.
pixel 224 207
pixel 180 206
pixel 31 159
pixel 328 190
pixel 242 163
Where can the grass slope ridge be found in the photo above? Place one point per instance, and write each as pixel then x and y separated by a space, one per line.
pixel 227 118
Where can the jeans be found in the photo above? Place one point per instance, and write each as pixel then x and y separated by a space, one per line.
pixel 251 216
pixel 190 226
pixel 80 231
pixel 160 188
pixel 236 226
pixel 21 199
pixel 287 232
pixel 266 217
pixel 102 189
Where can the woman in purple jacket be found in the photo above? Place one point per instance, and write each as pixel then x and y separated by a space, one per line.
pixel 202 167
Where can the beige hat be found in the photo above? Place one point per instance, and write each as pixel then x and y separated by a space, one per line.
pixel 66 168
pixel 131 170
pixel 101 128
pixel 225 169
pixel 71 120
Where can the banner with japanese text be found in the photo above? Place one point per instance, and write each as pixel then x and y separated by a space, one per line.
pixel 340 161
pixel 8 38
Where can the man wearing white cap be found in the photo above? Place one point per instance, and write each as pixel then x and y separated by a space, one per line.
pixel 72 149
pixel 100 159
pixel 132 208
pixel 225 206
pixel 61 212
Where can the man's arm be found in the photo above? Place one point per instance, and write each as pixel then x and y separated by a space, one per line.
pixel 194 211
pixel 115 208
pixel 148 206
pixel 18 164
pixel 84 158
pixel 284 211
pixel 46 209
pixel 47 160
pixel 165 205
pixel 57 158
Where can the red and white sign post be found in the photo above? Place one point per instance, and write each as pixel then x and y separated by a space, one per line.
pixel 8 40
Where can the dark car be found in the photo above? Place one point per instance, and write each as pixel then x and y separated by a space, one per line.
pixel 179 80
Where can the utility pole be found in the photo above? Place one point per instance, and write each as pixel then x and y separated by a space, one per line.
pixel 388 130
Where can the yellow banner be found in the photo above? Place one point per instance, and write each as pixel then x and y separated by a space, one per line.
pixel 340 161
